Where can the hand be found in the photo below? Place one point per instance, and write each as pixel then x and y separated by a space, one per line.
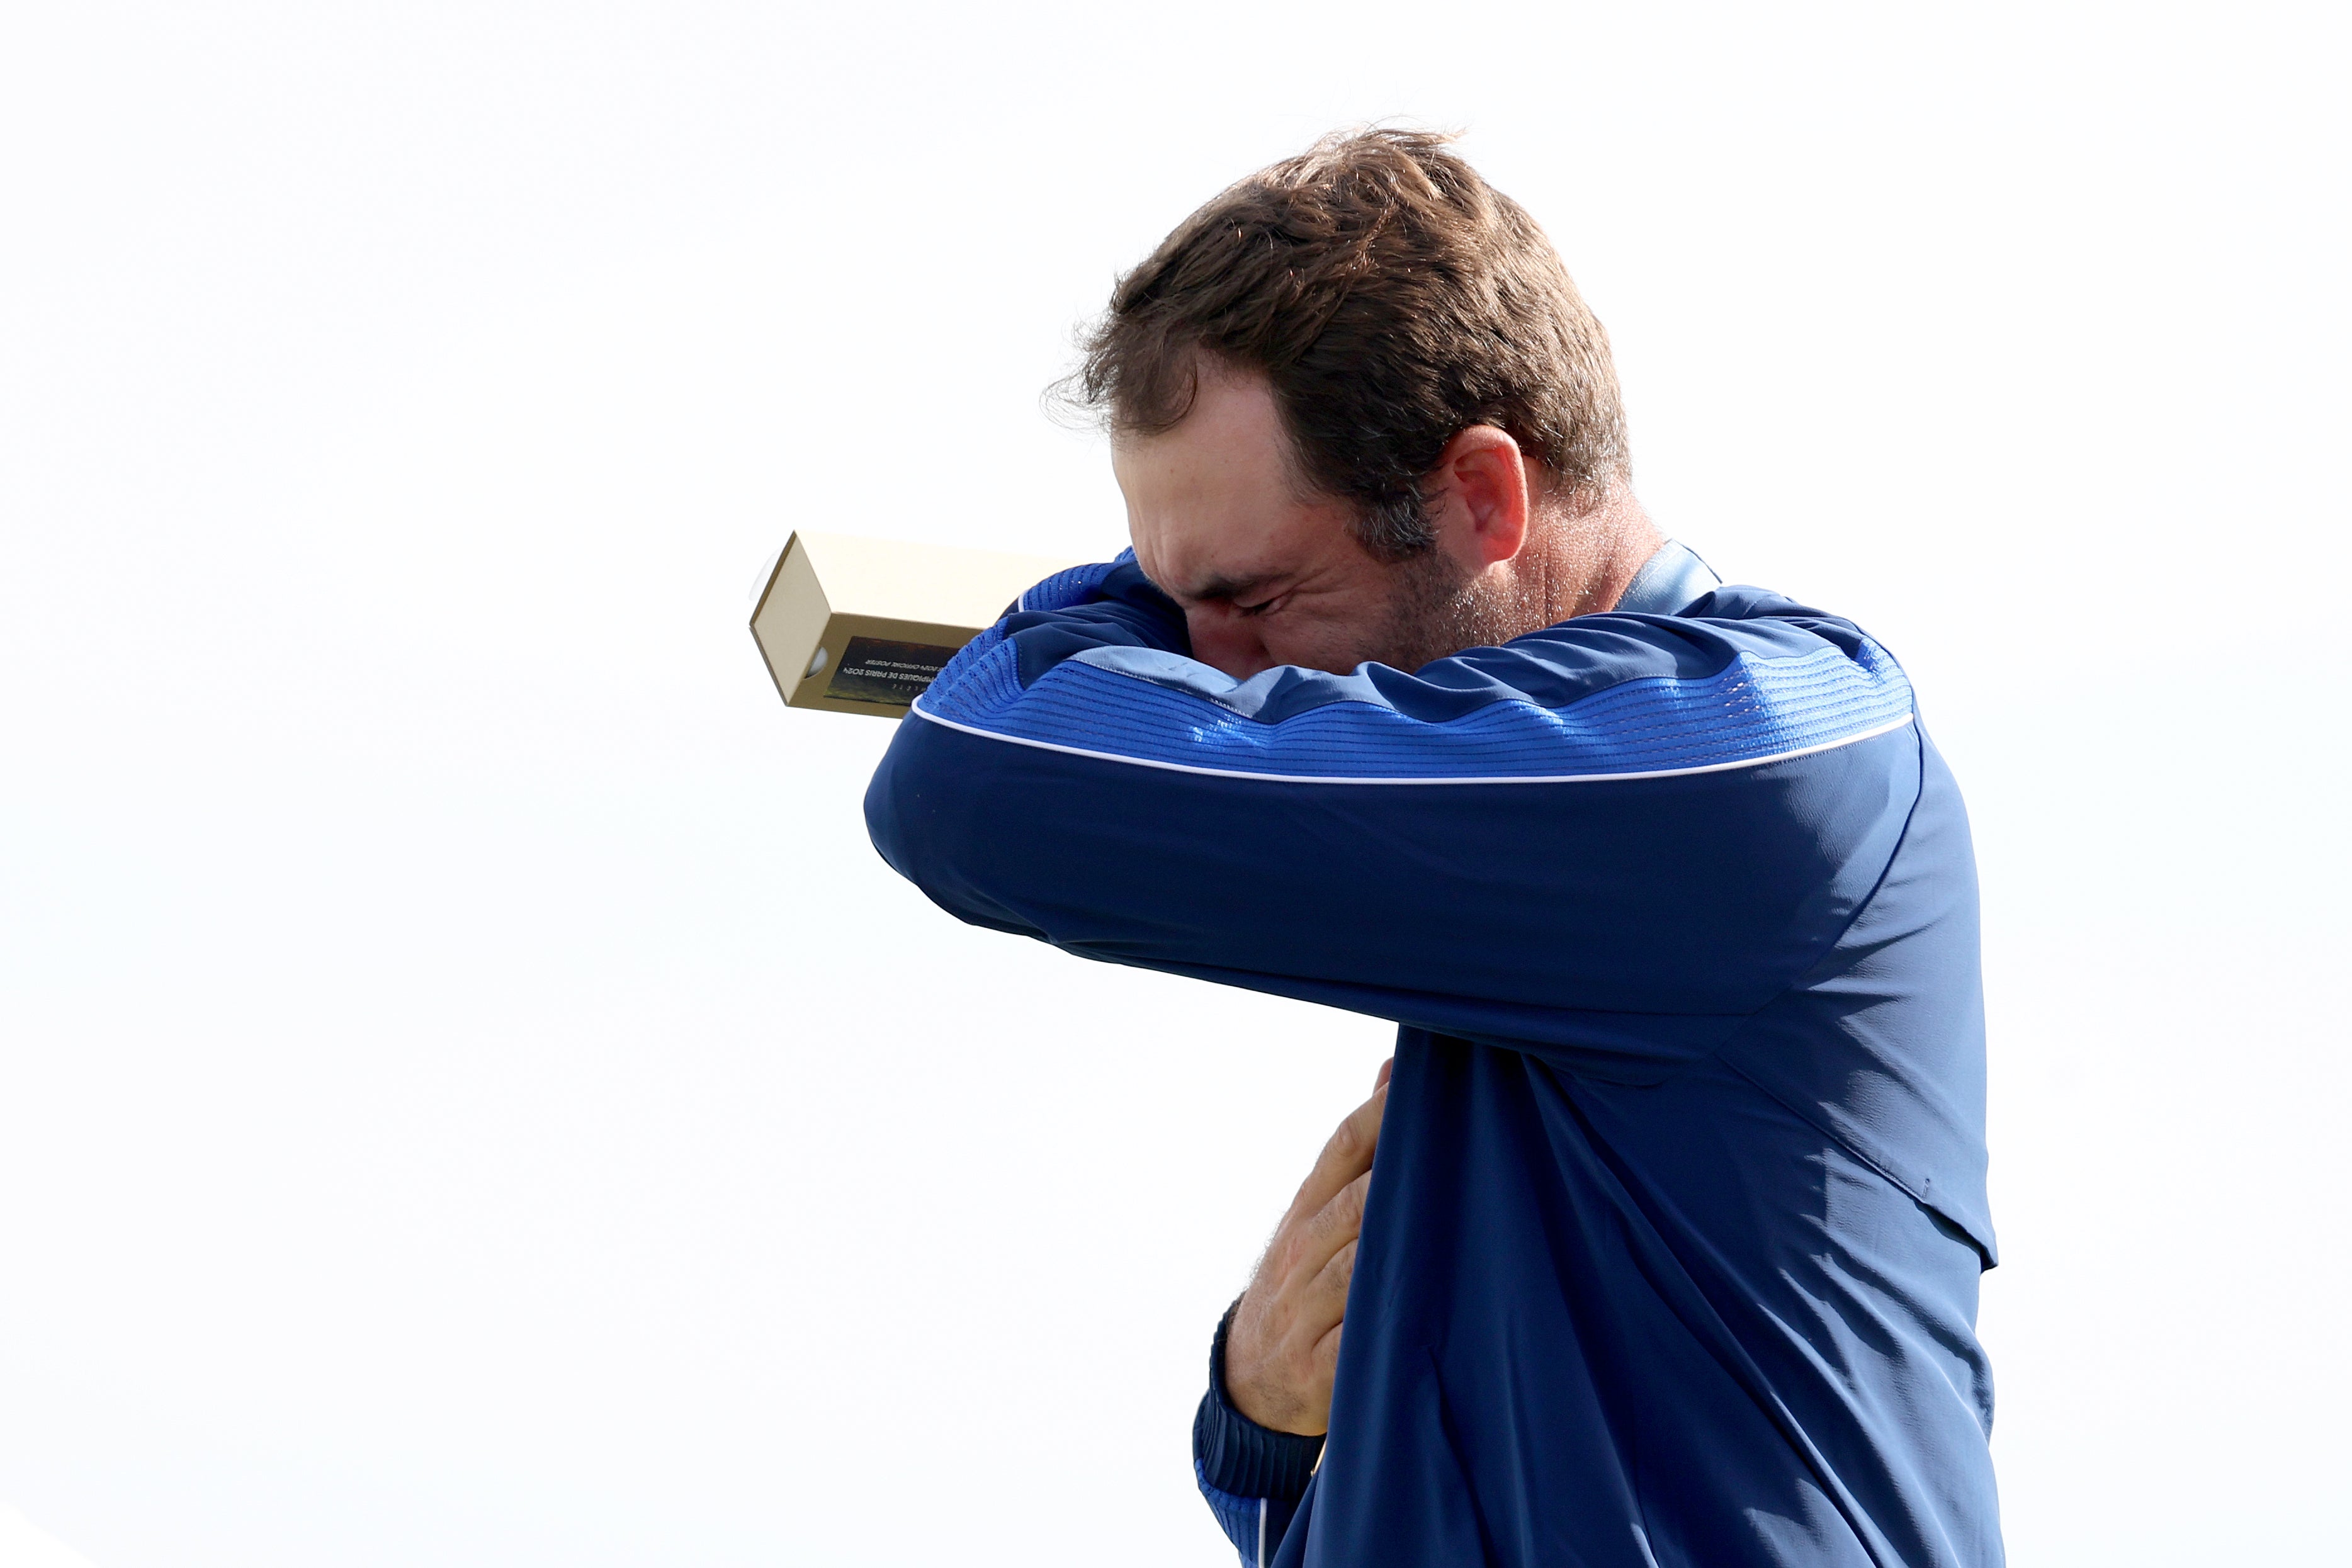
pixel 1284 1345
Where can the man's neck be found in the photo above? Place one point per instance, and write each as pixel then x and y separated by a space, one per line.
pixel 1582 559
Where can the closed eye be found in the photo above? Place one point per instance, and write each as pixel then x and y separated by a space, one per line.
pixel 1263 606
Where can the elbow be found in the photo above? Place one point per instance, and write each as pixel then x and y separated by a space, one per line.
pixel 894 800
pixel 926 824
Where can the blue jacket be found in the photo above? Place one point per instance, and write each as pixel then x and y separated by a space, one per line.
pixel 1671 1253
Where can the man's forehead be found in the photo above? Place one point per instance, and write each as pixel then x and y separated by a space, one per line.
pixel 1233 432
pixel 1223 542
pixel 1195 554
pixel 1212 503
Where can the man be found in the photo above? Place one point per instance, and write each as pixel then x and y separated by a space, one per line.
pixel 1400 704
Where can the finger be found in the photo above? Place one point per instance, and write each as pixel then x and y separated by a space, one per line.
pixel 1381 1082
pixel 1336 1225
pixel 1324 1361
pixel 1308 1310
pixel 1345 1156
pixel 1325 1300
pixel 1309 1389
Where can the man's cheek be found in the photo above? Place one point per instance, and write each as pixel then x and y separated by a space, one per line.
pixel 1336 650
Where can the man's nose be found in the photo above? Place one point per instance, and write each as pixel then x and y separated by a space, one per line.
pixel 1224 641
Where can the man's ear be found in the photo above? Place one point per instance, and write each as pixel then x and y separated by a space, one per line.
pixel 1478 498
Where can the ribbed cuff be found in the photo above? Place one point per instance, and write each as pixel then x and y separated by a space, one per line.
pixel 1235 1454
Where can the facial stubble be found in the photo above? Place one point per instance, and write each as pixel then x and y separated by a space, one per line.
pixel 1438 609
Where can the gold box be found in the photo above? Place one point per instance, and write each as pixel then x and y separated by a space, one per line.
pixel 860 625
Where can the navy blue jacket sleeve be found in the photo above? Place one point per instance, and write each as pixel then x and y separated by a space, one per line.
pixel 1252 1476
pixel 1609 841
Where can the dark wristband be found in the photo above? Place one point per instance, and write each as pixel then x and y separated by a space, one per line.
pixel 1238 1456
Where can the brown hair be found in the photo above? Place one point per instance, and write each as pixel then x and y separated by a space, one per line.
pixel 1392 298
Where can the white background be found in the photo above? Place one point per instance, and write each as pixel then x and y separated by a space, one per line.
pixel 471 1094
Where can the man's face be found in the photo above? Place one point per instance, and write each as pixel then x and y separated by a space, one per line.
pixel 1266 576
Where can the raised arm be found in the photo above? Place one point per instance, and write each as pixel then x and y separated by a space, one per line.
pixel 1656 815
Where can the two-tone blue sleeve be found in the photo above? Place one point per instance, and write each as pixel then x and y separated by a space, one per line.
pixel 1612 840
pixel 1252 1476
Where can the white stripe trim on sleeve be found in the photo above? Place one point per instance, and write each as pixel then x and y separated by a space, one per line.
pixel 1870 734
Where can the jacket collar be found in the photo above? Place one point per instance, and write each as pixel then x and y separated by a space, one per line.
pixel 1668 581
